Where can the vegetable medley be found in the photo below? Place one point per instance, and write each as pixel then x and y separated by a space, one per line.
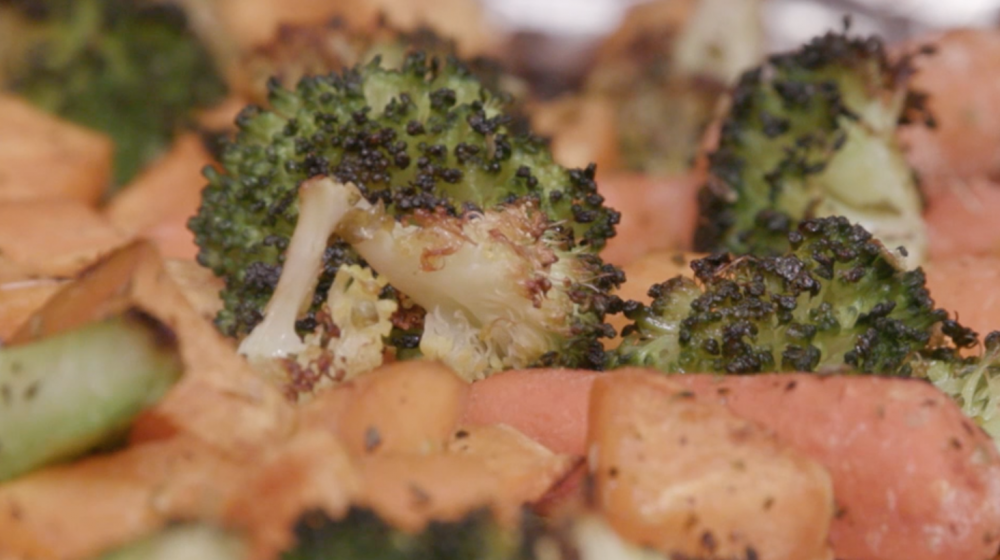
pixel 312 280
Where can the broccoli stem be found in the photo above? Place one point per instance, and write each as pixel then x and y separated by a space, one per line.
pixel 183 542
pixel 322 206
pixel 65 395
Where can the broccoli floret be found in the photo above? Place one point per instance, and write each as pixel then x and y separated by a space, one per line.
pixel 362 535
pixel 811 134
pixel 425 148
pixel 131 69
pixel 838 301
pixel 971 381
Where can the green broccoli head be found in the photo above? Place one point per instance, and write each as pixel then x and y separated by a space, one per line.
pixel 837 301
pixel 362 535
pixel 419 160
pixel 130 69
pixel 811 134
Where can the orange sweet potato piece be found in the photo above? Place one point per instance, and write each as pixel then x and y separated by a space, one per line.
pixel 20 299
pixel 961 217
pixel 967 287
pixel 80 509
pixel 312 471
pixel 690 478
pixel 524 467
pixel 658 213
pixel 406 407
pixel 159 202
pixel 913 477
pixel 44 157
pixel 55 237
pixel 965 102
pixel 547 405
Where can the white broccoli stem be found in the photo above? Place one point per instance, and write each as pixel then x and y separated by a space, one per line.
pixel 322 205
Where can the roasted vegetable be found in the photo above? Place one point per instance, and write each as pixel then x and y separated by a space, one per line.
pixel 131 69
pixel 419 160
pixel 838 301
pixel 67 394
pixel 812 133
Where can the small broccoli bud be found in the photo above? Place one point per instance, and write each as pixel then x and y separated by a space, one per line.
pixel 811 134
pixel 838 301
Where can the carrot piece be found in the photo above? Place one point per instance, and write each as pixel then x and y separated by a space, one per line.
pixel 405 407
pixel 691 478
pixel 966 286
pixel 547 405
pixel 658 213
pixel 913 477
pixel 55 237
pixel 159 202
pixel 44 157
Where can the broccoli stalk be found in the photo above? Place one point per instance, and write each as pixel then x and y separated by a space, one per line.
pixel 65 395
pixel 839 301
pixel 502 288
pixel 811 134
pixel 183 542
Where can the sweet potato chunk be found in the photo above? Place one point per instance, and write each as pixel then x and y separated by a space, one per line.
pixel 80 509
pixel 690 478
pixel 913 477
pixel 55 237
pixel 406 407
pixel 158 203
pixel 43 157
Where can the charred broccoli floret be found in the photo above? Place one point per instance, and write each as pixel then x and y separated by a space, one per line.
pixel 128 68
pixel 810 134
pixel 838 301
pixel 486 247
pixel 362 535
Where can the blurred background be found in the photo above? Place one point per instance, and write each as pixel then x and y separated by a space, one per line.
pixel 564 33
